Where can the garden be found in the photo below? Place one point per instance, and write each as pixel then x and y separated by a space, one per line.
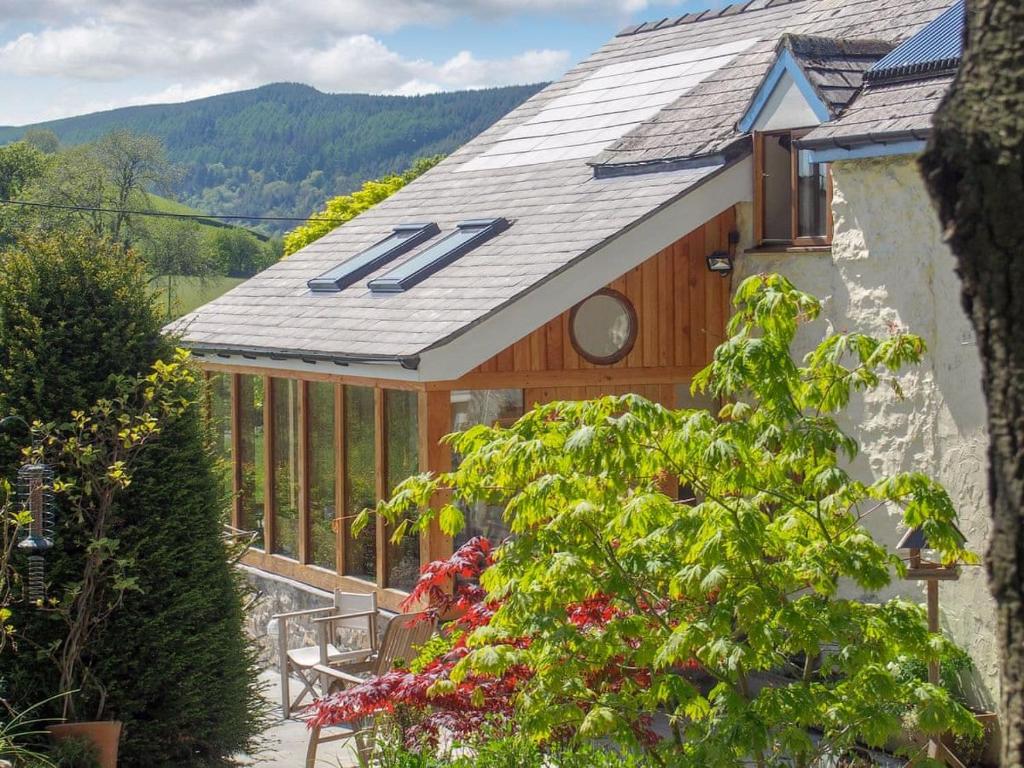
pixel 680 587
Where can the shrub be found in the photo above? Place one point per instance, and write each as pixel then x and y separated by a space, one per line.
pixel 610 570
pixel 172 662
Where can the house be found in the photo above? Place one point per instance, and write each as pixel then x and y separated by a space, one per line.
pixel 587 244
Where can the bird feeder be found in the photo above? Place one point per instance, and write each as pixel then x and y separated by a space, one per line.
pixel 931 573
pixel 35 496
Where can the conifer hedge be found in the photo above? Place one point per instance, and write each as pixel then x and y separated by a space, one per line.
pixel 174 660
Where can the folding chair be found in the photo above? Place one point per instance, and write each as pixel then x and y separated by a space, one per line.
pixel 404 634
pixel 350 610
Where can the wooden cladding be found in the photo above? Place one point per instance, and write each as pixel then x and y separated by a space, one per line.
pixel 682 310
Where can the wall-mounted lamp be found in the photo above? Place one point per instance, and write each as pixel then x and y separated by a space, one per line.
pixel 721 262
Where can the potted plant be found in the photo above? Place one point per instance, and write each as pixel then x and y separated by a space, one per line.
pixel 95 453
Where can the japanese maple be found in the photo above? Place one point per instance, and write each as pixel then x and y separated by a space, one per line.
pixel 607 570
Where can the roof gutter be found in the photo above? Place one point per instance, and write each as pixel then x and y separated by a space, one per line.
pixel 408 362
pixel 865 145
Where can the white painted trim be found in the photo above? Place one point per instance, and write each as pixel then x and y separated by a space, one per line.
pixel 392 371
pixel 548 300
pixel 879 149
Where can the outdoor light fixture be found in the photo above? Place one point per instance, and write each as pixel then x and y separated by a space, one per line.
pixel 721 262
pixel 914 541
pixel 35 496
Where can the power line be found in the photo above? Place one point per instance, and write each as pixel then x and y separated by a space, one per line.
pixel 166 214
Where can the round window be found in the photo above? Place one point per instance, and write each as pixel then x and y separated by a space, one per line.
pixel 603 327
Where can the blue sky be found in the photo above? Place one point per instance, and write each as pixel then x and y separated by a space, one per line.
pixel 67 57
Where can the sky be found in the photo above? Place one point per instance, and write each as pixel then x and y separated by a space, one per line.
pixel 69 57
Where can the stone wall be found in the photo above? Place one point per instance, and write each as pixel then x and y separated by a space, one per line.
pixel 275 594
pixel 889 269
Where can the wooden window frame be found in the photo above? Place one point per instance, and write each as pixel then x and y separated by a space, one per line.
pixel 793 241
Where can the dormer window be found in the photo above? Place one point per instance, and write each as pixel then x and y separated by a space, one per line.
pixel 792 194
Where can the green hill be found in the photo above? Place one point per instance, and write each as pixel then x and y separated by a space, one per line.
pixel 283 149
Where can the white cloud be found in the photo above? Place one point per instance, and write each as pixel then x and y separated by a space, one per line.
pixel 190 48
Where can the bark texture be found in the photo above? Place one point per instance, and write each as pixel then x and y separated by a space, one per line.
pixel 974 167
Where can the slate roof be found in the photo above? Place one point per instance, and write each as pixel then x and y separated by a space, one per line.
pixel 884 113
pixel 836 68
pixel 903 89
pixel 561 211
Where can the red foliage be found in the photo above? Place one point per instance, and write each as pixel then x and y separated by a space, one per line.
pixel 452 590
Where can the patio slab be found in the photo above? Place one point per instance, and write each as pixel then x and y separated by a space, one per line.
pixel 287 739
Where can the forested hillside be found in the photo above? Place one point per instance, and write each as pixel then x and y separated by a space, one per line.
pixel 283 149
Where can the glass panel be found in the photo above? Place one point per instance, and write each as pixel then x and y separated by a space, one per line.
pixel 484 406
pixel 401 434
pixel 468 236
pixel 359 266
pixel 777 189
pixel 322 468
pixel 220 430
pixel 251 456
pixel 812 197
pixel 360 478
pixel 603 328
pixel 286 466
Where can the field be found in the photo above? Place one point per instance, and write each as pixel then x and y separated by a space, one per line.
pixel 188 293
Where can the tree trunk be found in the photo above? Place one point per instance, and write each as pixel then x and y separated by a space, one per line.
pixel 974 167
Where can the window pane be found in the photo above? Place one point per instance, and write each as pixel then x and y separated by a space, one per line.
pixel 250 401
pixel 484 406
pixel 777 189
pixel 220 430
pixel 402 449
pixel 360 478
pixel 322 466
pixel 286 466
pixel 812 197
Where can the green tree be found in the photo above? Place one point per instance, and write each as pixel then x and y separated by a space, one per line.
pixel 20 163
pixel 43 139
pixel 749 581
pixel 238 253
pixel 974 167
pixel 76 313
pixel 118 172
pixel 346 207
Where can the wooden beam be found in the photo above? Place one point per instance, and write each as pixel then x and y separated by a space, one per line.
pixel 236 451
pixel 282 373
pixel 381 482
pixel 268 465
pixel 304 548
pixel 435 421
pixel 597 376
pixel 340 478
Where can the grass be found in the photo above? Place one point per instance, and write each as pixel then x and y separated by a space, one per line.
pixel 189 293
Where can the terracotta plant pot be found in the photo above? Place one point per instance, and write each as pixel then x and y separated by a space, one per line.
pixel 105 734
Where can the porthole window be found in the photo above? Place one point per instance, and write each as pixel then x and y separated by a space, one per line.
pixel 603 327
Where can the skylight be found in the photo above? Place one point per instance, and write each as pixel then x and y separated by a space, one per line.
pixel 464 239
pixel 403 239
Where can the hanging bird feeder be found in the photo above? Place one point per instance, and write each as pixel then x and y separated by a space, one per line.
pixel 35 496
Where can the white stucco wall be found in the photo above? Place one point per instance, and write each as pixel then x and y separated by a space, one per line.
pixel 889 268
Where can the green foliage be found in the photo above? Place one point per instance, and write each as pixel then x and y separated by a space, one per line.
pixel 76 317
pixel 74 753
pixel 20 163
pixel 751 586
pixel 283 149
pixel 346 207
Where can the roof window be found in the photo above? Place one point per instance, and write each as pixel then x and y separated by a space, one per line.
pixel 403 239
pixel 467 236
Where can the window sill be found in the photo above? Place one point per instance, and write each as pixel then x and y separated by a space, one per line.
pixel 778 249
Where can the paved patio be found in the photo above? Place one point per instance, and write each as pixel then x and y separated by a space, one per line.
pixel 287 739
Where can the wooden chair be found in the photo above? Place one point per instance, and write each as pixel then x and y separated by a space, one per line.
pixel 350 610
pixel 404 634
